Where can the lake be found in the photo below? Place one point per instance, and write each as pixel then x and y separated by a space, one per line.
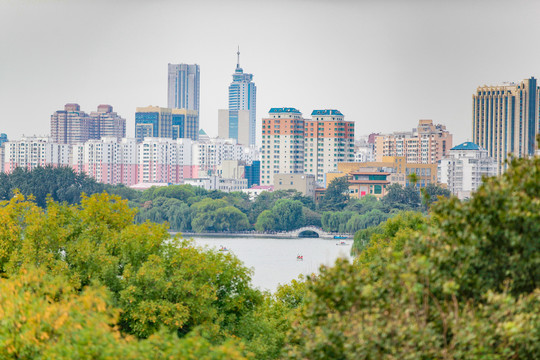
pixel 274 260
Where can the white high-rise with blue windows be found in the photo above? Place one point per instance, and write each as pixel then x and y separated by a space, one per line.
pixel 242 96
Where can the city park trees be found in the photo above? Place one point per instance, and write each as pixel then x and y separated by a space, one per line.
pixel 85 281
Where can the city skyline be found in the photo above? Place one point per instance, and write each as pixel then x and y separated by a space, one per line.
pixel 385 66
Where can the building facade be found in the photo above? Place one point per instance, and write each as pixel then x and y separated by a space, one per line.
pixel 282 150
pixel 185 124
pixel 72 125
pixel 399 169
pixel 240 130
pixel 464 168
pixel 426 144
pixel 153 121
pixel 183 87
pixel 242 96
pixel 108 122
pixel 303 183
pixel 32 152
pixel 506 119
pixel 328 140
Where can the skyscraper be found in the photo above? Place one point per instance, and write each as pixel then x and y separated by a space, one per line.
pixel 506 119
pixel 183 87
pixel 242 96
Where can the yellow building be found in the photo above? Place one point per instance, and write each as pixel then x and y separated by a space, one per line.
pixel 398 169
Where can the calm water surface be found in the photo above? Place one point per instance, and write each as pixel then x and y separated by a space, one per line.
pixel 274 260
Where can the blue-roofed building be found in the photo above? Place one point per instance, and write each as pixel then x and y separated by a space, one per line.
pixel 463 169
pixel 466 146
pixel 326 112
pixel 284 110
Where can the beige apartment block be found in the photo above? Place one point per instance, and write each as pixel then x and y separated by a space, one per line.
pixel 282 150
pixel 426 144
pixel 329 140
pixel 303 183
pixel 506 119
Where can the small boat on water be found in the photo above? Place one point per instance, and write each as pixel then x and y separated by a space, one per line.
pixel 339 237
pixel 300 257
pixel 341 243
pixel 223 248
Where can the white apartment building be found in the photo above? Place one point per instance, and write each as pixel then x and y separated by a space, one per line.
pixel 464 167
pixel 217 183
pixel 209 153
pixel 32 152
pixel 163 160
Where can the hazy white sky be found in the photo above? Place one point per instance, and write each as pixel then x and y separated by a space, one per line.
pixel 384 64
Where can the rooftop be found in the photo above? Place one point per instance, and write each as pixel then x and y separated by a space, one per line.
pixel 326 112
pixel 284 110
pixel 467 146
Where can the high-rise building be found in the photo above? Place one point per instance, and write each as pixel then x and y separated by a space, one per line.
pixel 73 126
pixel 242 96
pixel 153 121
pixel 184 84
pixel 425 144
pixel 463 169
pixel 109 123
pixel 329 140
pixel 282 149
pixel 506 119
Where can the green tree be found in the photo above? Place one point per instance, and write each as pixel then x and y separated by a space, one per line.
pixel 288 214
pixel 462 284
pixel 336 196
pixel 266 221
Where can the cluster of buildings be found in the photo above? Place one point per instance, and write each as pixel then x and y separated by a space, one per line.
pixel 296 152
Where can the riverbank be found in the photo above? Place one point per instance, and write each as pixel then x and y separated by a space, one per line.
pixel 254 234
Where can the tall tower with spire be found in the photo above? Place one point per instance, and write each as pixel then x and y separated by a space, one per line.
pixel 242 96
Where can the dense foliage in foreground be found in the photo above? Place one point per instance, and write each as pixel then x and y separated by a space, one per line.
pixel 84 281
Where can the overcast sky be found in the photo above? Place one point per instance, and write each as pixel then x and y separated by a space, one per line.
pixel 384 64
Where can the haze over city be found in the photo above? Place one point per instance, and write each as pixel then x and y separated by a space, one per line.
pixel 383 64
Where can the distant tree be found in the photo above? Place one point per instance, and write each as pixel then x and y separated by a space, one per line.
pixel 336 196
pixel 288 214
pixel 266 221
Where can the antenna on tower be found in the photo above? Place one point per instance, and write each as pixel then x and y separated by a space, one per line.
pixel 238 61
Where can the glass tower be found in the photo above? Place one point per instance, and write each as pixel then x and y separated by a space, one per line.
pixel 183 89
pixel 242 96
